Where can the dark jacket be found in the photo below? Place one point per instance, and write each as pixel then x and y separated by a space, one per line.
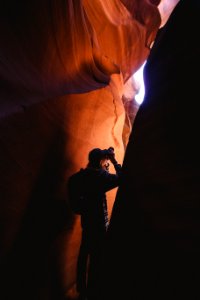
pixel 95 184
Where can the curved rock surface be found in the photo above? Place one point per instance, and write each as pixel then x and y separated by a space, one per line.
pixel 63 69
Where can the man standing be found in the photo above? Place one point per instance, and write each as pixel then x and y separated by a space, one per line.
pixel 93 183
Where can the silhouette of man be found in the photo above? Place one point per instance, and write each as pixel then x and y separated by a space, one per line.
pixel 95 182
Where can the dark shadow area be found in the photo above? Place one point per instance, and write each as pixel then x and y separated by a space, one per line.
pixel 30 269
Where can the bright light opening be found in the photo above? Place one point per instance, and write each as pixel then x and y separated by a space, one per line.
pixel 138 78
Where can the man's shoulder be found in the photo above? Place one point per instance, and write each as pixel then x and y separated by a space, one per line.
pixel 105 174
pixel 84 174
pixel 76 176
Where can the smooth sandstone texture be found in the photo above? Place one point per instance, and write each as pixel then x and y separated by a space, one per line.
pixel 63 69
pixel 154 235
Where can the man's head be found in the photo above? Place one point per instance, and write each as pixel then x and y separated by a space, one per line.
pixel 98 158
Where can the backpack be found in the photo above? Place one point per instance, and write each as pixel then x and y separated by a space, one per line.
pixel 75 191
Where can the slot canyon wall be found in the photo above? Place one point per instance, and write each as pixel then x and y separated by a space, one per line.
pixel 154 235
pixel 64 68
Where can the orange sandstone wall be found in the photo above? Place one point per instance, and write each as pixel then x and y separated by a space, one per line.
pixel 63 67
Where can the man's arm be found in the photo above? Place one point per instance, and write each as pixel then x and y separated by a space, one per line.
pixel 113 180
